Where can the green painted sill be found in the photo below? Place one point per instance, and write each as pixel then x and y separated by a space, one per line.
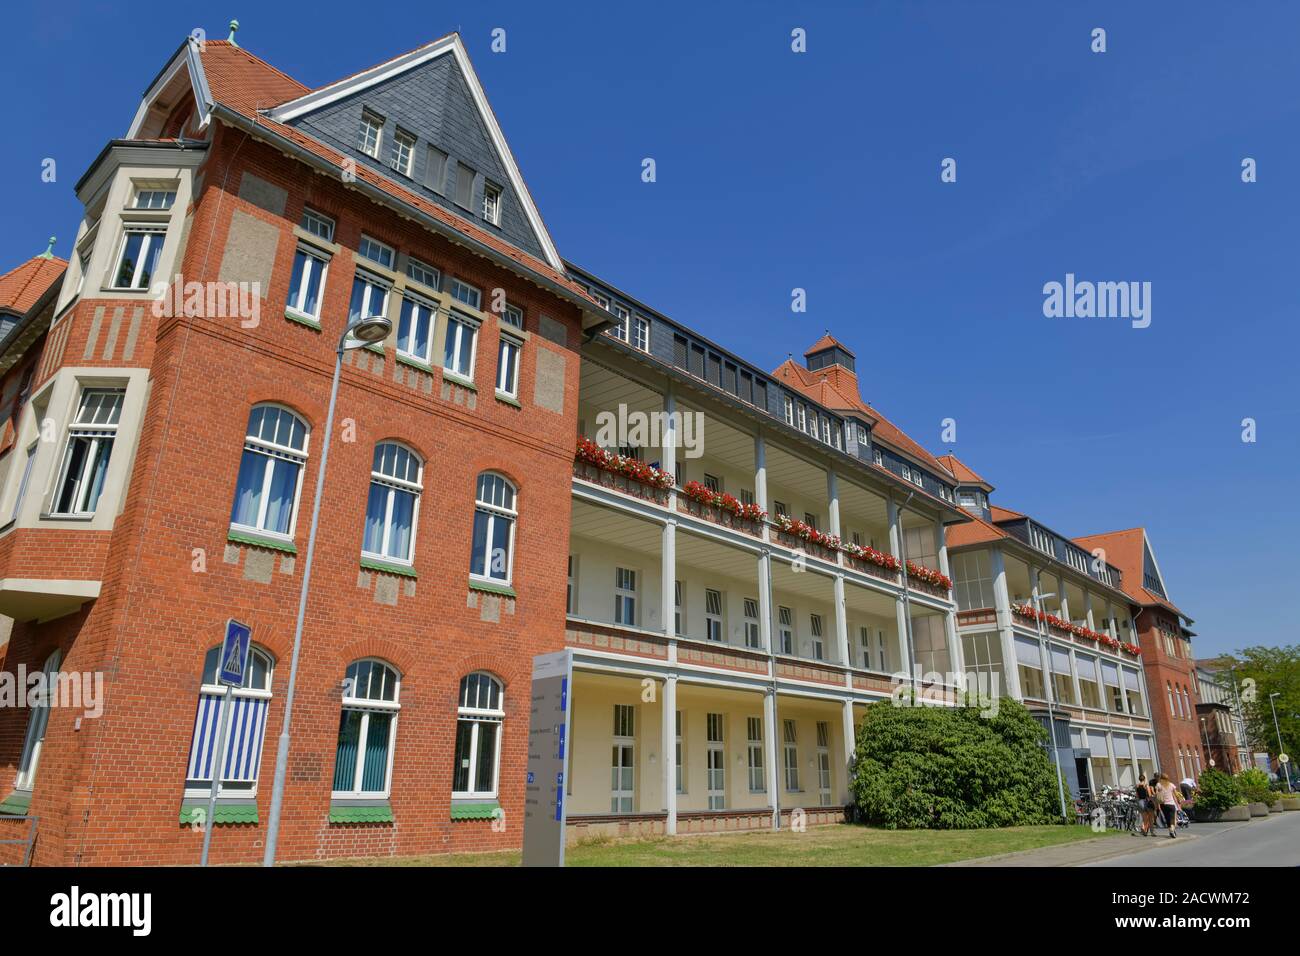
pixel 507 400
pixel 414 363
pixel 474 811
pixel 224 813
pixel 16 804
pixel 490 588
pixel 458 380
pixel 302 320
pixel 241 537
pixel 383 567
pixel 353 813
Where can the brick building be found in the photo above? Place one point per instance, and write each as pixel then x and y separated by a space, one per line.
pixel 165 403
pixel 1166 640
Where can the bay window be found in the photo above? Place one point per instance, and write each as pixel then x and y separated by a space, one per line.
pixel 137 262
pixel 86 457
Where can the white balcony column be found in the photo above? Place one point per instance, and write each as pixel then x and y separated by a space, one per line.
pixel 1110 753
pixel 1133 757
pixel 850 741
pixel 760 477
pixel 668 586
pixel 1112 625
pixel 1087 611
pixel 668 460
pixel 895 529
pixel 1074 678
pixel 1061 596
pixel 769 746
pixel 941 547
pixel 833 497
pixel 841 622
pixel 669 752
pixel 765 609
pixel 1006 635
pixel 905 666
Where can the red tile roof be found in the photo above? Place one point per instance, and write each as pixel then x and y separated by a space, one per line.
pixel 1124 550
pixel 976 531
pixel 248 85
pixel 827 341
pixel 22 288
pixel 961 471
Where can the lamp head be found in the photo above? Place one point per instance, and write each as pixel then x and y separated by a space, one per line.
pixel 367 331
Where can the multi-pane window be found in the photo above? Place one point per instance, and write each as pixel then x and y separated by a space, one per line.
pixel 818 644
pixel 680 777
pixel 435 169
pixel 369 298
pixel 678 620
pixel 982 654
pixel 458 346
pixel 1114 690
pixel 513 315
pixel 23 482
pixel 478 736
pixel 270 472
pixel 754 749
pixel 1133 694
pixel 790 737
pixel 713 483
pixel 570 597
pixel 625 597
pixel 245 723
pixel 716 760
pixel 491 556
pixel 785 629
pixel 1030 668
pixel 1089 685
pixel 415 329
pixel 318 224
pixel 370 134
pixel 402 151
pixel 864 646
pixel 1062 682
pixel 508 351
pixel 712 614
pixel 640 333
pixel 824 762
pixel 154 198
pixel 752 633
pixel 393 504
pixel 376 251
pixel 789 411
pixel 89 448
pixel 307 282
pixel 363 759
pixel 492 203
pixel 138 260
pixel 619 329
pixel 466 293
pixel 622 797
pixel 423 273
pixel 973 580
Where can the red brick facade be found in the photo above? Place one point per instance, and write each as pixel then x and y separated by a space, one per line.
pixel 1169 676
pixel 110 792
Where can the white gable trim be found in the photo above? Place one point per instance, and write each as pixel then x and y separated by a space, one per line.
pixel 188 59
pixel 384 71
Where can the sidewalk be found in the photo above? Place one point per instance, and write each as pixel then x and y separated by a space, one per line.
pixel 1088 851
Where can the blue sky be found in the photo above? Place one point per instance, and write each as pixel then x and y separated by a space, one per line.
pixel 821 170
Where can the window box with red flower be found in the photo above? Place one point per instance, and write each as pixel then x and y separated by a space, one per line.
pixel 722 508
pixel 621 472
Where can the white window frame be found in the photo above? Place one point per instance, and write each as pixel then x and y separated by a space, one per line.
pixel 393 484
pixel 818 640
pixel 168 198
pixel 715 760
pixel 754 756
pixel 426 275
pixel 227 715
pixel 492 509
pixel 508 372
pixel 624 744
pixel 790 751
pixel 155 235
pixel 95 434
pixel 625 596
pixel 424 306
pixel 753 633
pixel 785 630
pixel 270 451
pixel 619 329
pixel 371 123
pixel 401 155
pixel 457 285
pixel 37 724
pixel 313 259
pixel 458 325
pixel 378 252
pixel 714 605
pixel 640 334
pixel 318 224
pixel 477 716
pixel 823 763
pixel 492 197
pixel 368 706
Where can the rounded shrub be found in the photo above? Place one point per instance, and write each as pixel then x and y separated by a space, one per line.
pixel 932 767
pixel 1253 785
pixel 1218 790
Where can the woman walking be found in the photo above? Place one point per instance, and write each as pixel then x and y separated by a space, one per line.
pixel 1169 799
pixel 1146 807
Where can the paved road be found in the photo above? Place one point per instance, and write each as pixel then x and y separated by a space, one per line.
pixel 1271 841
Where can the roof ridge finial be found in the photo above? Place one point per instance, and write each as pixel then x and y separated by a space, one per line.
pixel 49 253
pixel 234 26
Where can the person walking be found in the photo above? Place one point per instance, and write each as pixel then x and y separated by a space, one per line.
pixel 1169 799
pixel 1146 807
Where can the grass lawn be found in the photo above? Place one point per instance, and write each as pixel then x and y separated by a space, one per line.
pixel 841 845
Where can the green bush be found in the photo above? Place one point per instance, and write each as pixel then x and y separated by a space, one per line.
pixel 1253 785
pixel 1218 790
pixel 949 768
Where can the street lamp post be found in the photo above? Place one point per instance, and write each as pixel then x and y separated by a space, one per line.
pixel 1044 657
pixel 361 333
pixel 1205 736
pixel 1286 769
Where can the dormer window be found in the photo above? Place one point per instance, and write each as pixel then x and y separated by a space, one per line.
pixel 402 152
pixel 492 203
pixel 877 457
pixel 464 186
pixel 371 133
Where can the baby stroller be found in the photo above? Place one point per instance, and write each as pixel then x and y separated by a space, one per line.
pixel 1182 819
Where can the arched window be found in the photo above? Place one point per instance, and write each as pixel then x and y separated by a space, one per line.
pixel 478 736
pixel 245 727
pixel 363 762
pixel 494 523
pixel 36 724
pixel 270 473
pixel 393 504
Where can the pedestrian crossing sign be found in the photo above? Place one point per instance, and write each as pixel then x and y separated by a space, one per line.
pixel 234 654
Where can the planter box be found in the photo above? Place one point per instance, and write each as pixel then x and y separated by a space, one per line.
pixel 1259 809
pixel 1237 814
pixel 1275 807
pixel 1290 803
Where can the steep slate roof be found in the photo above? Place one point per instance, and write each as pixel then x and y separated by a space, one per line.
pixel 1124 550
pixel 22 287
pixel 248 85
